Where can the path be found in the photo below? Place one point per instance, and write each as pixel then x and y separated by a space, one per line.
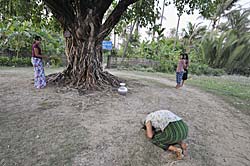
pixel 60 127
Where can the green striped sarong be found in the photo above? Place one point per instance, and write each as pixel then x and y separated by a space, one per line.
pixel 172 134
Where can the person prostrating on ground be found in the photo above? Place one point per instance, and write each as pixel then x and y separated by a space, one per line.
pixel 166 130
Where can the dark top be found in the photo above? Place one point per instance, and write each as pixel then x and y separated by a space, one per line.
pixel 187 64
pixel 33 50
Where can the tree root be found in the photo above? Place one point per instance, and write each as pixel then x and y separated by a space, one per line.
pixel 103 81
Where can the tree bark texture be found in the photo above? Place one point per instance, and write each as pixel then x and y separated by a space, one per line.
pixel 84 20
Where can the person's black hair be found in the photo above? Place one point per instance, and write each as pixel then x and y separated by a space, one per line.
pixel 186 56
pixel 145 128
pixel 37 38
pixel 182 55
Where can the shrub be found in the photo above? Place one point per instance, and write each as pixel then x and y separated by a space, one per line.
pixel 55 61
pixel 4 61
pixel 15 61
pixel 166 67
pixel 200 69
pixel 195 68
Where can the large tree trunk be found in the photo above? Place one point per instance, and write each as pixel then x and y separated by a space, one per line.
pixel 84 55
pixel 177 29
pixel 84 69
pixel 84 20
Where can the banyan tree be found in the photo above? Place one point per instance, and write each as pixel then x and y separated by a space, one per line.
pixel 85 26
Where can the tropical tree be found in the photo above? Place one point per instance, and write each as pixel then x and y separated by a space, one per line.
pixel 27 9
pixel 193 33
pixel 238 20
pixel 220 10
pixel 139 15
pixel 229 47
pixel 172 32
pixel 17 34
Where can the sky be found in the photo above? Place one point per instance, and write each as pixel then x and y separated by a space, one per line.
pixel 170 13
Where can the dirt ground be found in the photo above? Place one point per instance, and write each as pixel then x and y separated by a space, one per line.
pixel 57 126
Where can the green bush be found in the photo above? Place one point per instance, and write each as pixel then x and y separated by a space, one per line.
pixel 20 62
pixel 194 68
pixel 15 61
pixel 242 70
pixel 200 69
pixel 166 67
pixel 4 61
pixel 55 61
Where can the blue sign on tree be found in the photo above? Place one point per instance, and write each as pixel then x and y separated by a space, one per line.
pixel 107 45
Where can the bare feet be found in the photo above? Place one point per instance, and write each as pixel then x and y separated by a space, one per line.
pixel 184 147
pixel 177 86
pixel 177 151
pixel 179 154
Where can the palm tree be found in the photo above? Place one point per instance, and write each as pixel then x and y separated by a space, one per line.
pixel 172 32
pixel 238 20
pixel 223 6
pixel 229 48
pixel 177 29
pixel 194 32
pixel 162 13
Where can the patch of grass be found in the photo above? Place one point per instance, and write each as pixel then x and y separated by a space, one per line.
pixel 234 89
pixel 156 83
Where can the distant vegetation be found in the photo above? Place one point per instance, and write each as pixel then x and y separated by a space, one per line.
pixel 17 36
pixel 224 47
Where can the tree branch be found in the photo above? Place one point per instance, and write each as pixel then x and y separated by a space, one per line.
pixel 103 7
pixel 62 10
pixel 114 18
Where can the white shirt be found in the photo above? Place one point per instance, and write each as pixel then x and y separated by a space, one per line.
pixel 160 119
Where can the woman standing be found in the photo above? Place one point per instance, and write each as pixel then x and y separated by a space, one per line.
pixel 165 129
pixel 36 60
pixel 180 71
pixel 185 74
